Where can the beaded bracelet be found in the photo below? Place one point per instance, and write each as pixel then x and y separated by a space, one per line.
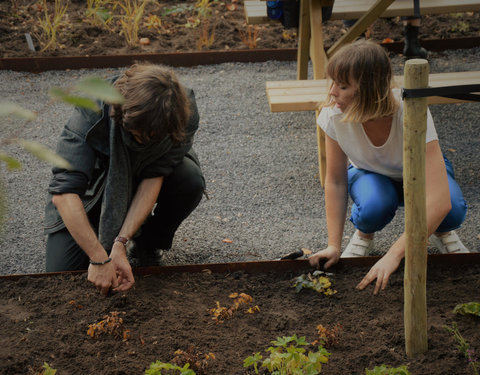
pixel 101 263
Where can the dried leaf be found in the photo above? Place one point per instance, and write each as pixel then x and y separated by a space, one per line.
pixel 232 7
pixel 227 240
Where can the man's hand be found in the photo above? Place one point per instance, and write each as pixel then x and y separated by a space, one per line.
pixel 124 274
pixel 381 271
pixel 103 277
pixel 331 254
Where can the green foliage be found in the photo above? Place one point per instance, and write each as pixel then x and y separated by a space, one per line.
pixel 317 281
pixel 472 308
pixel 50 24
pixel 388 370
pixel 43 153
pixel 176 9
pixel 289 357
pixel 464 348
pixel 157 367
pixel 8 109
pixel 48 370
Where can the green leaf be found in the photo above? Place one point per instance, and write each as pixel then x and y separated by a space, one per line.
pixel 100 89
pixel 48 370
pixel 468 308
pixel 12 109
pixel 43 153
pixel 78 101
pixel 11 162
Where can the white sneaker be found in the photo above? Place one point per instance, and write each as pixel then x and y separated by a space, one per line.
pixel 448 243
pixel 357 247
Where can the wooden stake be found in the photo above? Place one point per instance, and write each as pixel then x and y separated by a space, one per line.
pixel 414 133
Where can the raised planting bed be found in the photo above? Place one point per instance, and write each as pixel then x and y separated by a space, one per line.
pixel 47 319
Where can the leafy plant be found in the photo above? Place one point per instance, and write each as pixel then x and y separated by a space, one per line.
pixel 388 370
pixel 464 348
pixel 110 324
pixel 328 337
pixel 317 281
pixel 157 367
pixel 48 370
pixel 472 308
pixel 50 24
pixel 198 361
pixel 289 357
pixel 221 313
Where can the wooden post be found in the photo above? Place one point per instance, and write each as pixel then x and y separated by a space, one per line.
pixel 414 133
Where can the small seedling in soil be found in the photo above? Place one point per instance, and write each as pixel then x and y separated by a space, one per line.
pixel 198 362
pixel 388 370
pixel 318 281
pixel 328 337
pixel 157 367
pixel 111 324
pixel 288 357
pixel 221 313
pixel 472 308
pixel 464 348
pixel 46 370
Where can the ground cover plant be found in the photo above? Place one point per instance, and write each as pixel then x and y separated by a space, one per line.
pixel 105 27
pixel 169 321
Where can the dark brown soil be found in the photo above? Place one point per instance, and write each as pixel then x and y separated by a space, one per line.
pixel 79 36
pixel 46 320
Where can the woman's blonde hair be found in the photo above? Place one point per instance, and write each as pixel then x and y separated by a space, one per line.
pixel 156 105
pixel 366 66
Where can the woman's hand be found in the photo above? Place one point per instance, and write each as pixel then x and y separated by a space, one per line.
pixel 381 271
pixel 331 254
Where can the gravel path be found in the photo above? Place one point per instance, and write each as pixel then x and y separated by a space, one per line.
pixel 260 167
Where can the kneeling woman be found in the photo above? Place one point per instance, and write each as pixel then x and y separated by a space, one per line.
pixel 363 122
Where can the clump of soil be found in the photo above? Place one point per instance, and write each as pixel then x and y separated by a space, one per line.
pixel 172 26
pixel 50 319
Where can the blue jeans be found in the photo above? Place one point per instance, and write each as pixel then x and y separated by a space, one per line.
pixel 376 199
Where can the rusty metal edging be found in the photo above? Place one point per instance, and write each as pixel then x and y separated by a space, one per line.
pixel 189 59
pixel 268 266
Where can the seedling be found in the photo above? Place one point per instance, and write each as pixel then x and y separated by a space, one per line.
pixel 288 357
pixel 198 362
pixel 97 12
pixel 388 370
pixel 221 313
pixel 472 308
pixel 318 281
pixel 328 337
pixel 464 348
pixel 157 367
pixel 111 324
pixel 130 20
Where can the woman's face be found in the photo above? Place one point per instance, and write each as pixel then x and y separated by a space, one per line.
pixel 343 94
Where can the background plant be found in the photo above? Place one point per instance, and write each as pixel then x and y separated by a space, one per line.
pixel 388 370
pixel 157 367
pixel 472 308
pixel 98 13
pixel 328 337
pixel 464 348
pixel 130 19
pixel 289 357
pixel 198 361
pixel 250 37
pixel 50 24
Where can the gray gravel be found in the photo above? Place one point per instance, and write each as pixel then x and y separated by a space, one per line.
pixel 260 167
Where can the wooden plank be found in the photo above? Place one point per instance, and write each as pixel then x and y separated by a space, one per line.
pixel 256 11
pixel 295 95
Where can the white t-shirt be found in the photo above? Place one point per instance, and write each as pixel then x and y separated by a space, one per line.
pixel 386 159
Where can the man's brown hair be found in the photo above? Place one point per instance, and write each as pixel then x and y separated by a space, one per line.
pixel 156 105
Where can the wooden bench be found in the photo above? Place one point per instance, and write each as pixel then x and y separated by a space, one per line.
pixel 256 11
pixel 309 95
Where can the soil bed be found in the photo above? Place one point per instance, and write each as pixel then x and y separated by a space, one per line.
pixel 46 320
pixel 164 23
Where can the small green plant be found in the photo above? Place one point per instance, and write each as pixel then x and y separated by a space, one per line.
pixel 48 370
pixel 176 9
pixel 464 348
pixel 198 361
pixel 387 370
pixel 289 357
pixel 318 281
pixel 157 367
pixel 50 24
pixel 472 308
pixel 97 12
